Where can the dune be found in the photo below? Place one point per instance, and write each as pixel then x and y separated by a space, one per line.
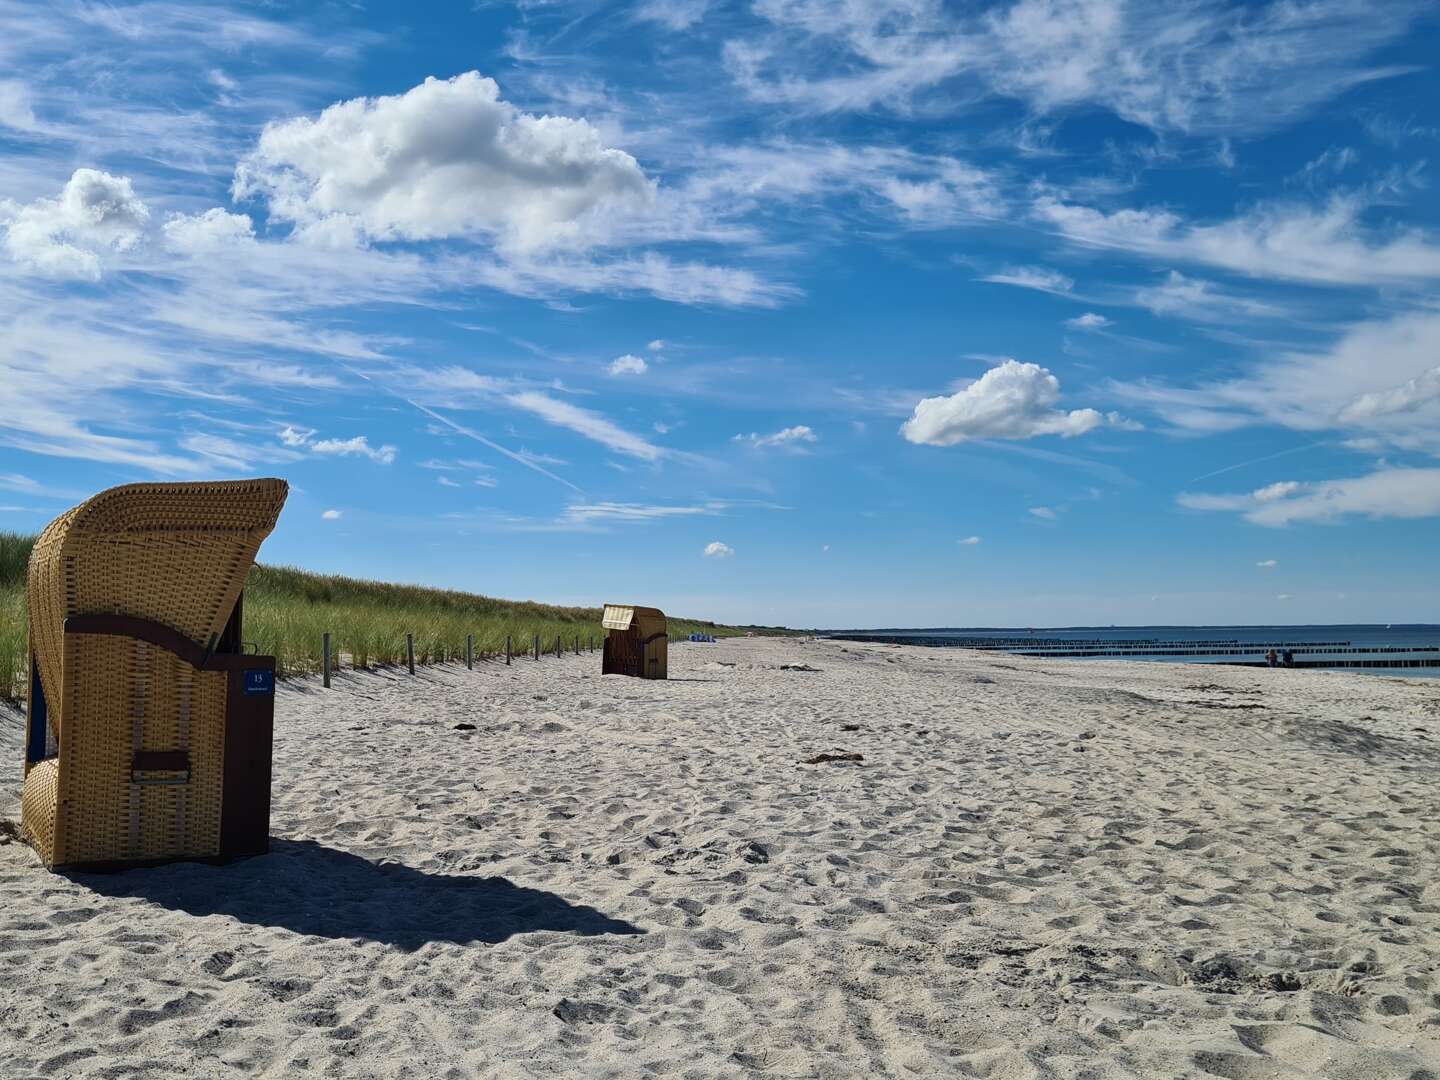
pixel 994 867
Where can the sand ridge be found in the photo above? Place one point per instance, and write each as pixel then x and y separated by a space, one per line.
pixel 1036 869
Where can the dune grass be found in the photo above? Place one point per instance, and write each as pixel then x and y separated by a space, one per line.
pixel 287 612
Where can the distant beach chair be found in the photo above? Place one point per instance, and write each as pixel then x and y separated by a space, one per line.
pixel 148 728
pixel 636 643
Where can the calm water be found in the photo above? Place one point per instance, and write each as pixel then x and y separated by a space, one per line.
pixel 1313 646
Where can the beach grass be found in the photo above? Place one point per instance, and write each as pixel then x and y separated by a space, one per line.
pixel 288 611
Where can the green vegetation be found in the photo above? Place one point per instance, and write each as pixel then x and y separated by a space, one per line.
pixel 287 611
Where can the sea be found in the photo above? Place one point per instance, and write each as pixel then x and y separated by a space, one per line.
pixel 1410 650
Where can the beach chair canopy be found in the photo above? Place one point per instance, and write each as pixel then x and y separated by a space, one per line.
pixel 647 620
pixel 636 642
pixel 129 595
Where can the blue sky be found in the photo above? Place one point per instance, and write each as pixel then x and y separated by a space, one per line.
pixel 806 311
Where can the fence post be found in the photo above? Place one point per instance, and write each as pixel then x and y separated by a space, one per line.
pixel 470 651
pixel 325 649
pixel 507 650
pixel 410 652
pixel 537 646
pixel 557 645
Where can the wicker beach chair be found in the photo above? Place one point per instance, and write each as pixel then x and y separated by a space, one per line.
pixel 636 644
pixel 148 727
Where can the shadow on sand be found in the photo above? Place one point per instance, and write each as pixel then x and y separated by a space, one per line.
pixel 309 888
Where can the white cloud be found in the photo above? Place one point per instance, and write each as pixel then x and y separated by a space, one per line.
pixel 65 237
pixel 1410 396
pixel 1089 321
pixel 673 14
pixel 445 481
pixel 1010 401
pixel 1385 493
pixel 1282 596
pixel 718 550
pixel 628 364
pixel 359 446
pixel 1044 513
pixel 447 158
pixel 332 515
pixel 207 232
pixel 1033 277
pixel 587 423
pixel 657 345
pixel 1193 65
pixel 1325 246
pixel 1267 564
pixel 293 436
pixel 1191 298
pixel 586 513
pixel 969 541
pixel 924 191
pixel 792 437
pixel 1376 382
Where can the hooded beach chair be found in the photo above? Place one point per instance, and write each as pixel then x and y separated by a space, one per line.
pixel 148 726
pixel 636 643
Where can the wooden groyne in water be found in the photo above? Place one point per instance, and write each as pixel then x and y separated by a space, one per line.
pixel 1337 654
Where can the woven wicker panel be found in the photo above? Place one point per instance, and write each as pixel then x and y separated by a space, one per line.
pixel 124 695
pixel 37 808
pixel 174 553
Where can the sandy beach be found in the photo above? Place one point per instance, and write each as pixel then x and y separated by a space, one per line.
pixel 1036 869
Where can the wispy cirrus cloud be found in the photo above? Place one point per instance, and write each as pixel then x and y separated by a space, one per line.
pixel 1385 493
pixel 1263 65
pixel 1326 245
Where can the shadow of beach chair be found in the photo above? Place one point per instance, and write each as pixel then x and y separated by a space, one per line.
pixel 636 642
pixel 148 728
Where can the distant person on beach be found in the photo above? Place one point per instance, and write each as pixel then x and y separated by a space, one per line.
pixel 1288 658
pixel 1270 658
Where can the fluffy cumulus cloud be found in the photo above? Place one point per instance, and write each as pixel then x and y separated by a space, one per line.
pixel 718 550
pixel 1089 321
pixel 1267 564
pixel 795 438
pixel 969 541
pixel 629 364
pixel 332 515
pixel 1385 493
pixel 447 158
pixel 67 236
pixel 1013 400
pixel 214 229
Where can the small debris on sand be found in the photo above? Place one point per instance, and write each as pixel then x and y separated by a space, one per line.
pixel 821 759
pixel 798 667
pixel 464 727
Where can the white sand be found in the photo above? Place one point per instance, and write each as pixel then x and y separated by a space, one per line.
pixel 1040 868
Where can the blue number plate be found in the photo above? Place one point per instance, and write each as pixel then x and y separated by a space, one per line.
pixel 259 681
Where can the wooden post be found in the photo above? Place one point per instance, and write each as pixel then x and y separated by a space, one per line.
pixel 577 644
pixel 410 652
pixel 325 650
pixel 558 645
pixel 470 651
pixel 537 646
pixel 507 650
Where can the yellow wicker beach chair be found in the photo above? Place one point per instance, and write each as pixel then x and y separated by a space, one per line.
pixel 637 642
pixel 148 727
